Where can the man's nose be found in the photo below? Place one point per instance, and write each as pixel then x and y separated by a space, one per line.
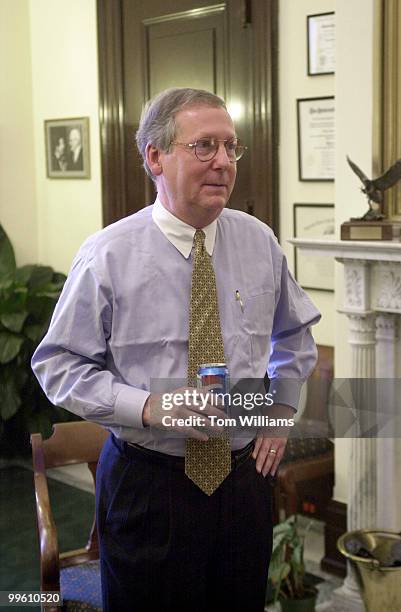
pixel 221 158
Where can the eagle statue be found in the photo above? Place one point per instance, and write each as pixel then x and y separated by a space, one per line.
pixel 374 188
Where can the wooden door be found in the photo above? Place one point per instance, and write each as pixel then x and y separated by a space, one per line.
pixel 227 48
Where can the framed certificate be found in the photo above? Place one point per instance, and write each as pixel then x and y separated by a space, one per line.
pixel 321 43
pixel 316 139
pixel 314 221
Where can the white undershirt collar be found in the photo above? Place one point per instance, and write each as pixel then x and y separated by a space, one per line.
pixel 180 234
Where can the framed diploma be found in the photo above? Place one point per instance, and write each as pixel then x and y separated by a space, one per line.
pixel 314 221
pixel 321 43
pixel 316 139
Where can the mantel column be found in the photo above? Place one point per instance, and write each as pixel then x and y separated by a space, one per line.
pixel 388 447
pixel 361 507
pixel 362 339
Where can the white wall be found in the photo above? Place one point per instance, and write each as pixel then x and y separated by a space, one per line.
pixel 294 83
pixel 65 84
pixel 18 213
pixel 355 130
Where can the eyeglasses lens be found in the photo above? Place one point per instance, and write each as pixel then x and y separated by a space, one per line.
pixel 207 148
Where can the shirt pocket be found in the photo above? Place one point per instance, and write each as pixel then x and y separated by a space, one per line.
pixel 254 313
pixel 254 317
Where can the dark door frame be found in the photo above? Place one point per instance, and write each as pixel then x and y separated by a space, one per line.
pixel 264 191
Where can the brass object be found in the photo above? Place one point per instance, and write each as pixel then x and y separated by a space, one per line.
pixel 380 583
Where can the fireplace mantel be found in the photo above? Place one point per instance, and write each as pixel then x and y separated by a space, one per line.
pixel 383 250
pixel 372 271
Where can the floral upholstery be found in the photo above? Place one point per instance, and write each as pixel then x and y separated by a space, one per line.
pixel 81 587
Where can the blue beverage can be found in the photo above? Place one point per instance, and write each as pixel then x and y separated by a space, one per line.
pixel 214 376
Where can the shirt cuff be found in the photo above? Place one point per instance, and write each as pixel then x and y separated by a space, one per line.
pixel 129 405
pixel 286 391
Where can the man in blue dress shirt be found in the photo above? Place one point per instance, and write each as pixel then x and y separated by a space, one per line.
pixel 122 320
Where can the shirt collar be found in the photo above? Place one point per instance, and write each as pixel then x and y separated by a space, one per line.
pixel 180 234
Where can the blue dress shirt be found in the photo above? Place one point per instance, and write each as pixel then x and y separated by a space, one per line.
pixel 122 318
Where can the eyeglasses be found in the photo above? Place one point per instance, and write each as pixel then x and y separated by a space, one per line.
pixel 206 148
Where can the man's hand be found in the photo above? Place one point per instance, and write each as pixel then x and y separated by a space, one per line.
pixel 271 441
pixel 195 406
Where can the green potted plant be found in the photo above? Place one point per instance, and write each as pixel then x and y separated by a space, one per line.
pixel 27 298
pixel 287 569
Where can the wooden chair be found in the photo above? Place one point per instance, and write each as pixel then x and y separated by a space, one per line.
pixel 76 571
pixel 305 478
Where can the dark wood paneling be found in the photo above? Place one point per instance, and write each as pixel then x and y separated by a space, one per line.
pixel 186 52
pixel 111 105
pixel 265 82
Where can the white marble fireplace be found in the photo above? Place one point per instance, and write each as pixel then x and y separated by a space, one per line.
pixel 372 304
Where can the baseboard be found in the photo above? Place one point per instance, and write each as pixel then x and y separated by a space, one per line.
pixel 336 524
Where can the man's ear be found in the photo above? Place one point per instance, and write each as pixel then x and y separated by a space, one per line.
pixel 153 159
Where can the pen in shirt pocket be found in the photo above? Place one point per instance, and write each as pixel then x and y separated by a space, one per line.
pixel 238 298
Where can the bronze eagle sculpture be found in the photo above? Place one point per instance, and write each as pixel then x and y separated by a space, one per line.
pixel 374 188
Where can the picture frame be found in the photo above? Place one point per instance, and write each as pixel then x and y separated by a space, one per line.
pixel 67 148
pixel 321 43
pixel 316 138
pixel 314 221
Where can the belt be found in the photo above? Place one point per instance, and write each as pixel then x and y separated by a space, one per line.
pixel 238 457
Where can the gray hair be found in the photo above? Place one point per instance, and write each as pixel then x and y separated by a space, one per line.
pixel 157 125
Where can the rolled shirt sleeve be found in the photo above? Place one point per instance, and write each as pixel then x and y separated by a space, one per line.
pixel 71 361
pixel 293 349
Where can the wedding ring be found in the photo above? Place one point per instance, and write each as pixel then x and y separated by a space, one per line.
pixel 272 450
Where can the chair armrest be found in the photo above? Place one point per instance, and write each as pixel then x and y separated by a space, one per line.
pixel 49 551
pixel 306 469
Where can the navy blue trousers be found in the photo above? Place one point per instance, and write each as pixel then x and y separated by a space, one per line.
pixel 165 546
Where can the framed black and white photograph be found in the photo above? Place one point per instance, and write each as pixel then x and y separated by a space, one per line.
pixel 316 138
pixel 321 32
pixel 67 148
pixel 314 221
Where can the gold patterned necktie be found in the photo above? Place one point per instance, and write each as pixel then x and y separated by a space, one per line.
pixel 207 463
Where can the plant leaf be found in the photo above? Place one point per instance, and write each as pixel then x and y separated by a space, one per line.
pixel 297 555
pixel 9 346
pixel 280 528
pixel 59 278
pixel 13 299
pixel 280 539
pixel 10 399
pixel 41 308
pixel 6 283
pixel 7 257
pixel 36 332
pixel 14 321
pixel 51 293
pixel 24 273
pixel 41 275
pixel 282 574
